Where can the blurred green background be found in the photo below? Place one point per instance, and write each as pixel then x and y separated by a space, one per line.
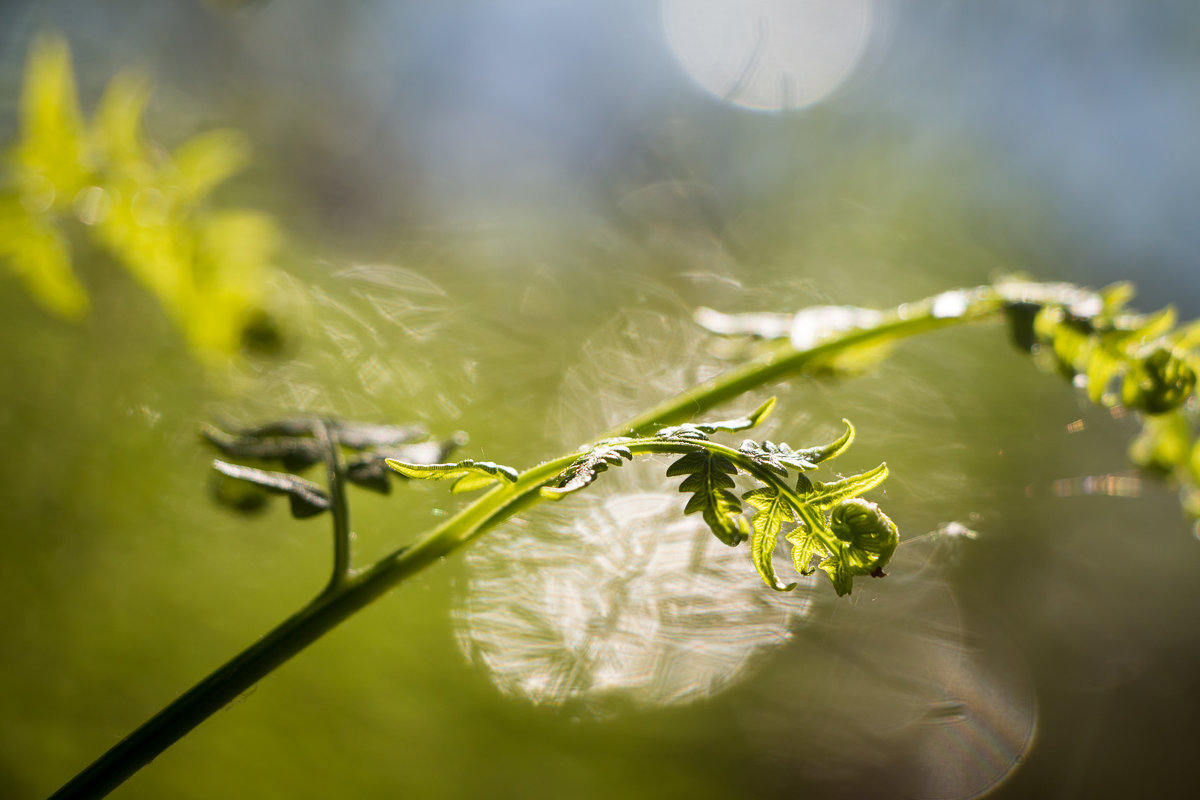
pixel 497 218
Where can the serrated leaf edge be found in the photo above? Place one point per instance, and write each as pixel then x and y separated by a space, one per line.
pixel 459 469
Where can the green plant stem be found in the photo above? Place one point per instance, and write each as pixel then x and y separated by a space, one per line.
pixel 351 592
pixel 297 632
pixel 335 469
pixel 780 359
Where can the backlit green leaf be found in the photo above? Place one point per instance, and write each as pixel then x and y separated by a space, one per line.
pixel 1116 296
pixel 209 269
pixel 205 161
pixel 693 430
pixel 1158 382
pixel 116 131
pixel 442 472
pixel 709 480
pixel 773 512
pixel 37 254
pixel 827 495
pixel 1164 443
pixel 832 450
pixel 473 481
pixel 809 539
pixel 587 467
pixel 51 147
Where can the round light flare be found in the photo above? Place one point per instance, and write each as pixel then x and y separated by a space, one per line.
pixel 616 602
pixel 769 55
pixel 895 693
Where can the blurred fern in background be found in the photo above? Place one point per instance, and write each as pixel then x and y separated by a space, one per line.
pixel 69 183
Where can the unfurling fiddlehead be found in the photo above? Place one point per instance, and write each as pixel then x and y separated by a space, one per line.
pixel 1140 362
pixel 1085 334
pixel 821 520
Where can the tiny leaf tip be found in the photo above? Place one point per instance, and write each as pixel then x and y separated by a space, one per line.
pixel 762 412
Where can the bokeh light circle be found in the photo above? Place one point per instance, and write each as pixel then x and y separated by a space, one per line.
pixel 769 55
pixel 609 603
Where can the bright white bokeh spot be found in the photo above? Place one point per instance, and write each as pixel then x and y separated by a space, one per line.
pixel 950 304
pixel 769 55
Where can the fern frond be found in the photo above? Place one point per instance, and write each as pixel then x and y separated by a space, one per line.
pixel 461 469
pixel 826 495
pixel 587 467
pixel 307 499
pixel 773 512
pixel 710 479
pixel 702 430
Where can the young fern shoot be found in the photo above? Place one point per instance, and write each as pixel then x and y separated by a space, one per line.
pixel 1143 363
pixel 851 537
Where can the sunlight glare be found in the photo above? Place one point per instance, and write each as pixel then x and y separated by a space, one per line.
pixel 894 688
pixel 609 602
pixel 769 55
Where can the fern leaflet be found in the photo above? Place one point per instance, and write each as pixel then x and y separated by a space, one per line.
pixel 773 512
pixel 710 479
pixel 585 468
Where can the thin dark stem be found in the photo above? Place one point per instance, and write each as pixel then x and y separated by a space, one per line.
pixel 235 677
pixel 295 634
pixel 335 469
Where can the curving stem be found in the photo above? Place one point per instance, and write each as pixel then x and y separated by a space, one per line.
pixel 347 591
pixel 335 470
